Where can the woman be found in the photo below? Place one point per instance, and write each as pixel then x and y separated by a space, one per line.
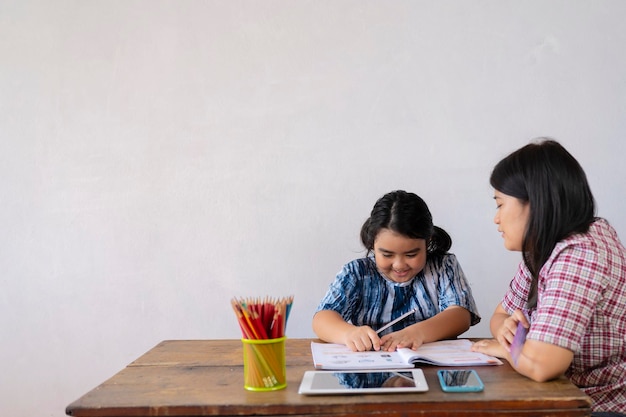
pixel 569 292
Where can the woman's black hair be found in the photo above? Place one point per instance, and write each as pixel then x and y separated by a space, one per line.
pixel 545 175
pixel 407 214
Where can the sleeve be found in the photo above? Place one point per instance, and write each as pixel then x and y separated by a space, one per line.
pixel 454 288
pixel 339 295
pixel 516 297
pixel 572 285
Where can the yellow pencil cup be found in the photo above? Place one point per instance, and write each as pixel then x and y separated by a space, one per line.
pixel 264 367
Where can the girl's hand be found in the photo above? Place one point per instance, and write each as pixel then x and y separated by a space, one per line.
pixel 362 338
pixel 409 337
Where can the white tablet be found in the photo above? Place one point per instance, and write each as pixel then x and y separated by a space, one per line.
pixel 363 382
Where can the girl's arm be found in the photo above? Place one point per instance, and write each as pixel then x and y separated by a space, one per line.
pixel 537 360
pixel 329 326
pixel 447 324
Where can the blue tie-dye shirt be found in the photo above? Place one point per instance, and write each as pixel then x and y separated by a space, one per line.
pixel 363 296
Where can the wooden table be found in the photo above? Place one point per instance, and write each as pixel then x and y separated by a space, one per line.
pixel 205 377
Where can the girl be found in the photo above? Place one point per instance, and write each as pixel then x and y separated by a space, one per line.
pixel 569 292
pixel 410 270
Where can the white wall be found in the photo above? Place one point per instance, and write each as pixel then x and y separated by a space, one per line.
pixel 160 157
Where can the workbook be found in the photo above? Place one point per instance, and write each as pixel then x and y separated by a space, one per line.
pixel 456 352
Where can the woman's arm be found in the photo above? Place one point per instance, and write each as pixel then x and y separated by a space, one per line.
pixel 537 360
pixel 542 361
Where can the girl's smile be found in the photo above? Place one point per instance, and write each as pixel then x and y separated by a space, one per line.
pixel 398 257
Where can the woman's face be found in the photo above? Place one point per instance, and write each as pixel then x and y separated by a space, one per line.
pixel 511 217
pixel 398 257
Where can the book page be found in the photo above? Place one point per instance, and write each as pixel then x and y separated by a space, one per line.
pixel 339 357
pixel 443 353
pixel 448 353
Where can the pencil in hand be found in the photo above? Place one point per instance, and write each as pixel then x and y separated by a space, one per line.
pixel 402 317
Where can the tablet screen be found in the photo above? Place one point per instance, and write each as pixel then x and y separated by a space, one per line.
pixel 344 382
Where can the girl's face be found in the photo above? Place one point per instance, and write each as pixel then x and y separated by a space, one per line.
pixel 511 217
pixel 398 257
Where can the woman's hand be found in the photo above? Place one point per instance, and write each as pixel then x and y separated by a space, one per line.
pixel 506 332
pixel 500 346
pixel 489 347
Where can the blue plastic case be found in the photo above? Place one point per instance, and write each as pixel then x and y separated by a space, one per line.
pixel 460 380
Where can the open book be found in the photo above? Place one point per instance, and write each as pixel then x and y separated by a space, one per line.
pixel 443 353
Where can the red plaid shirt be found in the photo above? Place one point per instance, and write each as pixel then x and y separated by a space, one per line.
pixel 582 307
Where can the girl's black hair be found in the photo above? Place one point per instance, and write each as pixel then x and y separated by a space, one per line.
pixel 545 175
pixel 407 214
